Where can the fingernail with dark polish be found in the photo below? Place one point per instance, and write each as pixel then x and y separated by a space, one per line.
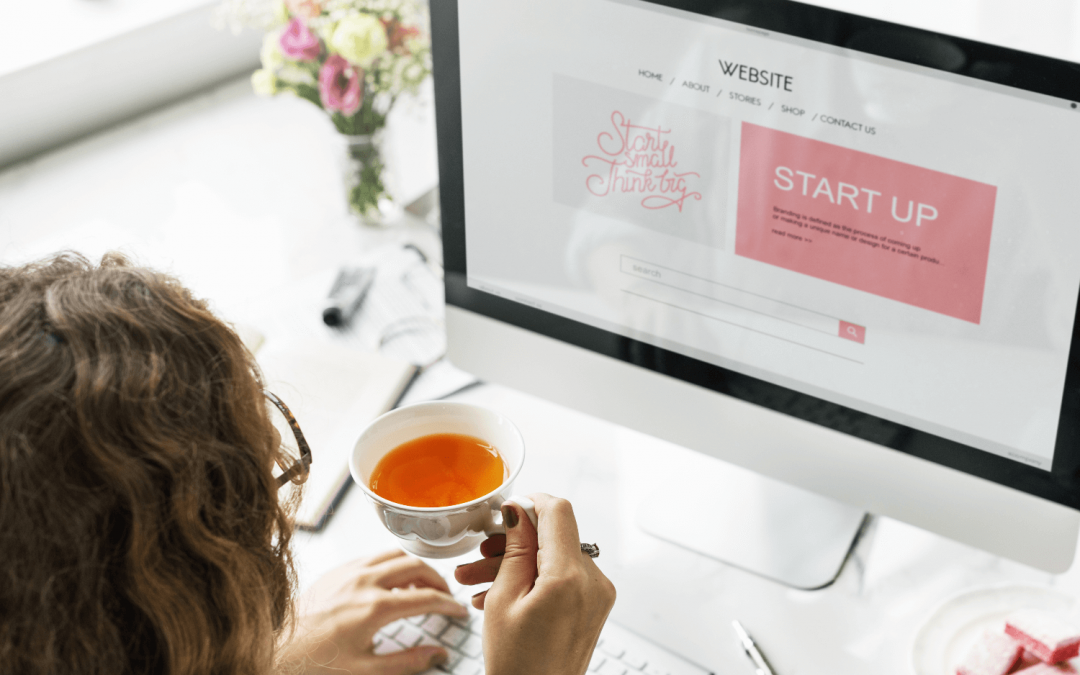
pixel 510 518
pixel 437 660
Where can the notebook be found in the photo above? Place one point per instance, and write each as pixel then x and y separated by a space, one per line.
pixel 334 391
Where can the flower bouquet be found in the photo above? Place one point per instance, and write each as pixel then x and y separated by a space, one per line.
pixel 352 58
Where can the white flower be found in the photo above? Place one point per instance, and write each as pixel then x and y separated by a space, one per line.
pixel 237 14
pixel 263 82
pixel 360 38
pixel 271 55
pixel 413 72
pixel 293 74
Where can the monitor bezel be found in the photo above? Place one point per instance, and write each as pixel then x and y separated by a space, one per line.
pixel 1028 72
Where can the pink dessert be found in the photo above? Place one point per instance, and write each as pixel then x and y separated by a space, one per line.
pixel 1027 659
pixel 1046 636
pixel 1047 669
pixel 993 654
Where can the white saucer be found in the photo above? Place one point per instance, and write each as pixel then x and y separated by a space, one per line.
pixel 425 550
pixel 951 629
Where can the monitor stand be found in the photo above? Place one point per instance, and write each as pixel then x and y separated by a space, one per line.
pixel 761 525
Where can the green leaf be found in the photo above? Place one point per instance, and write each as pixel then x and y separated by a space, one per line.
pixel 309 93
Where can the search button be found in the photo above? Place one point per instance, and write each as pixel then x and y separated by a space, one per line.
pixel 850 331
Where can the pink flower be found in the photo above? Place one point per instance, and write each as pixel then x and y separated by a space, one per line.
pixel 339 85
pixel 300 44
pixel 308 9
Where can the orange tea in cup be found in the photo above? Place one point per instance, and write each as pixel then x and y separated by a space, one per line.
pixel 438 470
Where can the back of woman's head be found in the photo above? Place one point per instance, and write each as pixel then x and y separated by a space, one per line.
pixel 139 525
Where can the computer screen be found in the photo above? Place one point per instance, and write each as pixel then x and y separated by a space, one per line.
pixel 862 225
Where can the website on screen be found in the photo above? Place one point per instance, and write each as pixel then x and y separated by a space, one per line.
pixel 877 234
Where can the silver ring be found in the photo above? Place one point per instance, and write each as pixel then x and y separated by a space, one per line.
pixel 591 550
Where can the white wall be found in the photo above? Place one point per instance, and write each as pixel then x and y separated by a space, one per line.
pixel 1047 27
pixel 66 82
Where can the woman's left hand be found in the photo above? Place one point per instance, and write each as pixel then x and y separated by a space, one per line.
pixel 339 616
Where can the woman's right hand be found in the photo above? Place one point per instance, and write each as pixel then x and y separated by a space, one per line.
pixel 341 613
pixel 544 612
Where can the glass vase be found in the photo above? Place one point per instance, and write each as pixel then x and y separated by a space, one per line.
pixel 368 183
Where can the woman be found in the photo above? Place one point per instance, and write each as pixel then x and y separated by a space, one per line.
pixel 140 525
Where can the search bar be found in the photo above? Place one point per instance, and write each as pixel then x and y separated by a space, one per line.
pixel 743 301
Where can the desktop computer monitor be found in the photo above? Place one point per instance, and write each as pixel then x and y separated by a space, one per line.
pixel 830 250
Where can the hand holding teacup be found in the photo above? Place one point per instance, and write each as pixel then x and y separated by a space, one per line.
pixel 548 601
pixel 438 474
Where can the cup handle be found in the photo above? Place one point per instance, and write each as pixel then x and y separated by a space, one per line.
pixel 524 502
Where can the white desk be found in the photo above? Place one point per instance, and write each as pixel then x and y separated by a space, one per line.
pixel 864 623
pixel 242 197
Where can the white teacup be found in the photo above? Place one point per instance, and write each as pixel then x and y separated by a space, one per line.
pixel 444 531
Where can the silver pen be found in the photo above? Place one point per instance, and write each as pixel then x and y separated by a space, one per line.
pixel 750 647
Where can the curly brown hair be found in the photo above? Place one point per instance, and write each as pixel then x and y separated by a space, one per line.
pixel 140 528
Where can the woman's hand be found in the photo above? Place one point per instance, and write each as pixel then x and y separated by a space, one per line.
pixel 340 614
pixel 548 602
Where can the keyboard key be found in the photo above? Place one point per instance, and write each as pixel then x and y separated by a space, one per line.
pixel 388 646
pixel 390 630
pixel 435 624
pixel 633 660
pixel 476 623
pixel 452 660
pixel 448 667
pixel 639 655
pixel 418 619
pixel 473 646
pixel 463 622
pixel 467 666
pixel 428 641
pixel 612 649
pixel 454 636
pixel 409 635
pixel 611 667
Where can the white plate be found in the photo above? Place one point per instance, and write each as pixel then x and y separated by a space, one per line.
pixel 951 630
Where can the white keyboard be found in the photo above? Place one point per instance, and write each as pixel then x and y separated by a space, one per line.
pixel 619 652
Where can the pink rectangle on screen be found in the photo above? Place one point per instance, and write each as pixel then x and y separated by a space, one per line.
pixel 896 230
pixel 853 332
